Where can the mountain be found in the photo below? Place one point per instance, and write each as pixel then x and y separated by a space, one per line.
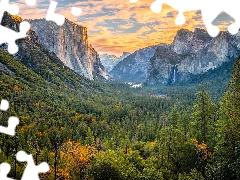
pixel 70 43
pixel 134 67
pixel 38 59
pixel 109 61
pixel 191 53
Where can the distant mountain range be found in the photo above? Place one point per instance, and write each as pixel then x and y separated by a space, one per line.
pixel 109 61
pixel 135 66
pixel 191 53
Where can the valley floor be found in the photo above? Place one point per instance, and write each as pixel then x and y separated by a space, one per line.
pixel 90 130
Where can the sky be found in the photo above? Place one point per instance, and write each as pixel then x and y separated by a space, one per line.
pixel 117 26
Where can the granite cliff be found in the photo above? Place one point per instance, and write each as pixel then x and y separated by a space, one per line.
pixel 134 67
pixel 31 52
pixel 39 59
pixel 110 61
pixel 191 53
pixel 70 43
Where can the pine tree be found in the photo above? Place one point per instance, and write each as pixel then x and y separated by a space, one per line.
pixel 90 138
pixel 202 117
pixel 227 155
pixel 174 117
pixel 202 128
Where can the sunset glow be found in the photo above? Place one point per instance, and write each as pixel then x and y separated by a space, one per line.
pixel 115 27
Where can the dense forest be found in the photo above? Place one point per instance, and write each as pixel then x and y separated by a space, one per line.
pixel 107 130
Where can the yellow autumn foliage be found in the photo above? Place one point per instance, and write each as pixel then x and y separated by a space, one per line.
pixel 202 149
pixel 74 159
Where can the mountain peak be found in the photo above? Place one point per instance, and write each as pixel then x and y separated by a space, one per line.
pixel 134 66
pixel 70 43
pixel 110 61
pixel 187 41
pixel 191 52
pixel 125 54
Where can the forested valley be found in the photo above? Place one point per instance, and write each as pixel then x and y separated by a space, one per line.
pixel 107 130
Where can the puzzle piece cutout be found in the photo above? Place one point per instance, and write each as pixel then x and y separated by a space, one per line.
pixel 209 9
pixel 7 35
pixel 12 121
pixel 31 2
pixel 51 16
pixel 4 170
pixel 76 11
pixel 5 6
pixel 4 105
pixel 31 171
pixel 58 18
pixel 12 124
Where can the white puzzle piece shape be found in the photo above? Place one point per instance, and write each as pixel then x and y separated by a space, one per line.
pixel 7 35
pixel 51 16
pixel 209 9
pixel 30 2
pixel 76 11
pixel 12 124
pixel 4 105
pixel 4 170
pixel 31 171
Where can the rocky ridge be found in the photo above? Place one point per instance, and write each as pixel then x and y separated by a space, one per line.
pixel 110 61
pixel 135 66
pixel 39 59
pixel 70 43
pixel 31 51
pixel 191 53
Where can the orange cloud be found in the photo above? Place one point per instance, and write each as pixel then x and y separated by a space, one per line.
pixel 117 26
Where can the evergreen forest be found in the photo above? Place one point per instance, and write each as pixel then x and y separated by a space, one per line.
pixel 100 130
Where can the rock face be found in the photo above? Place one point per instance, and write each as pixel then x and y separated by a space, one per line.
pixel 191 53
pixel 31 52
pixel 39 59
pixel 110 61
pixel 70 43
pixel 134 67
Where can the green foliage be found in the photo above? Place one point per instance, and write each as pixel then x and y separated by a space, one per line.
pixel 117 165
pixel 193 175
pixel 150 134
pixel 227 156
pixel 202 117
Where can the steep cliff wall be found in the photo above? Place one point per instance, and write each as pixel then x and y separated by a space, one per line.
pixel 134 67
pixel 31 52
pixel 39 59
pixel 191 53
pixel 70 43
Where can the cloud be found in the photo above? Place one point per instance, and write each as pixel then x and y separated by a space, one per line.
pixel 117 26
